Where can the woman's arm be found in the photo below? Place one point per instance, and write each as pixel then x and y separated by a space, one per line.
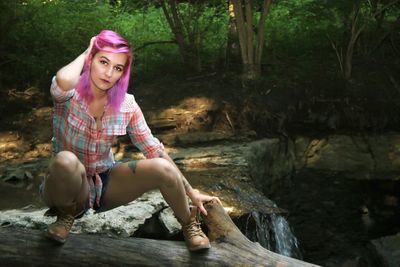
pixel 197 198
pixel 151 147
pixel 68 76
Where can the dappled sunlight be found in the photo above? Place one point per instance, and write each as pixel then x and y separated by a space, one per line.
pixel 32 140
pixel 229 210
pixel 12 145
pixel 190 113
pixel 9 145
pixel 43 113
pixel 312 154
pixel 40 150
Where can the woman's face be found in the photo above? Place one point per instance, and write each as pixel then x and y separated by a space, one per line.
pixel 106 69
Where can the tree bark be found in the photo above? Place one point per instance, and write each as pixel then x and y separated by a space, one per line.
pixel 357 28
pixel 354 34
pixel 22 247
pixel 185 35
pixel 233 55
pixel 261 31
pixel 250 44
pixel 176 26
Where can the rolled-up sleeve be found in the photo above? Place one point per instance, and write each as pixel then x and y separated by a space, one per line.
pixel 141 136
pixel 59 95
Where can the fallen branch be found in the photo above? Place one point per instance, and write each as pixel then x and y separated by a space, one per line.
pixel 23 247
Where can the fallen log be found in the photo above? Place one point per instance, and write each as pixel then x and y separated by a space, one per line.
pixel 23 247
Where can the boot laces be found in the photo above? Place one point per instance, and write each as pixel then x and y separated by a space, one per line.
pixel 194 229
pixel 65 220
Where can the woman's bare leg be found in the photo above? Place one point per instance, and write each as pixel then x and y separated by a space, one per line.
pixel 129 181
pixel 66 189
pixel 126 183
pixel 66 185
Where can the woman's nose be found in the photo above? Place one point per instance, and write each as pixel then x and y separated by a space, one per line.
pixel 109 72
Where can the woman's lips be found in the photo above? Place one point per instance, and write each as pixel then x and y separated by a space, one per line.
pixel 105 81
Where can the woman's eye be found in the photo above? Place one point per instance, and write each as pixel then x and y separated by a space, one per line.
pixel 119 69
pixel 103 62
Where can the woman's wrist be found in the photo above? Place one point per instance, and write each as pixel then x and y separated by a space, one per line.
pixel 192 193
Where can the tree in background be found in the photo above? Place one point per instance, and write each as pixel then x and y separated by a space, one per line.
pixel 188 26
pixel 251 44
pixel 361 15
pixel 39 35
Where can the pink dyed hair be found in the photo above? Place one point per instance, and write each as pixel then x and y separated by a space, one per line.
pixel 108 41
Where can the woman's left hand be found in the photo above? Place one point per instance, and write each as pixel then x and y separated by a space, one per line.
pixel 199 199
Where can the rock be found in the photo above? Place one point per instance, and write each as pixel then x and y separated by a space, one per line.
pixel 340 153
pixel 387 250
pixel 169 221
pixel 271 163
pixel 15 174
pixel 202 137
pixel 385 151
pixel 29 175
pixel 202 158
pixel 121 221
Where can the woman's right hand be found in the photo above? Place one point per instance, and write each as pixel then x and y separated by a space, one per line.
pixel 68 76
pixel 87 51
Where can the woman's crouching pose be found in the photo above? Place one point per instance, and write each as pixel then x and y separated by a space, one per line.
pixel 92 108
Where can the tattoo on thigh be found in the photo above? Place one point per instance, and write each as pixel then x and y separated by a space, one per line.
pixel 132 165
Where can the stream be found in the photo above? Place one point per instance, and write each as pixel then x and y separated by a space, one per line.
pixel 334 217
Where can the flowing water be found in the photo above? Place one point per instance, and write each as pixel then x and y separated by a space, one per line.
pixel 286 242
pixel 334 217
pixel 272 231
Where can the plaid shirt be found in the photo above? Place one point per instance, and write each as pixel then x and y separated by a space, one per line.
pixel 76 131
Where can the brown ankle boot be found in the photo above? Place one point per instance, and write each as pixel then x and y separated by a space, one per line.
pixel 194 237
pixel 59 230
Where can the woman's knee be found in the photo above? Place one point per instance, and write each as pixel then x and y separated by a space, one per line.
pixel 166 171
pixel 65 167
pixel 64 161
pixel 64 182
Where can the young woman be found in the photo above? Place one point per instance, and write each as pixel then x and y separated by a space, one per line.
pixel 92 108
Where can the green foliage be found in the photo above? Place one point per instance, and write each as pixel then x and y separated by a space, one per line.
pixel 47 34
pixel 214 36
pixel 40 36
pixel 300 27
pixel 142 27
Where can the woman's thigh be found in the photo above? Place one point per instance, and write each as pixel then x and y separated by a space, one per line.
pixel 130 180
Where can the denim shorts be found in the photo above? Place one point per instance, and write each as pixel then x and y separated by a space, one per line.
pixel 104 176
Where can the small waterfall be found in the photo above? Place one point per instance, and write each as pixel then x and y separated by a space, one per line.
pixel 257 229
pixel 285 242
pixel 273 233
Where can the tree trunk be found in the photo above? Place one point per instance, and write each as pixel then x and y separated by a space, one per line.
pixel 184 36
pixel 22 247
pixel 355 32
pixel 261 32
pixel 250 44
pixel 176 26
pixel 232 56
